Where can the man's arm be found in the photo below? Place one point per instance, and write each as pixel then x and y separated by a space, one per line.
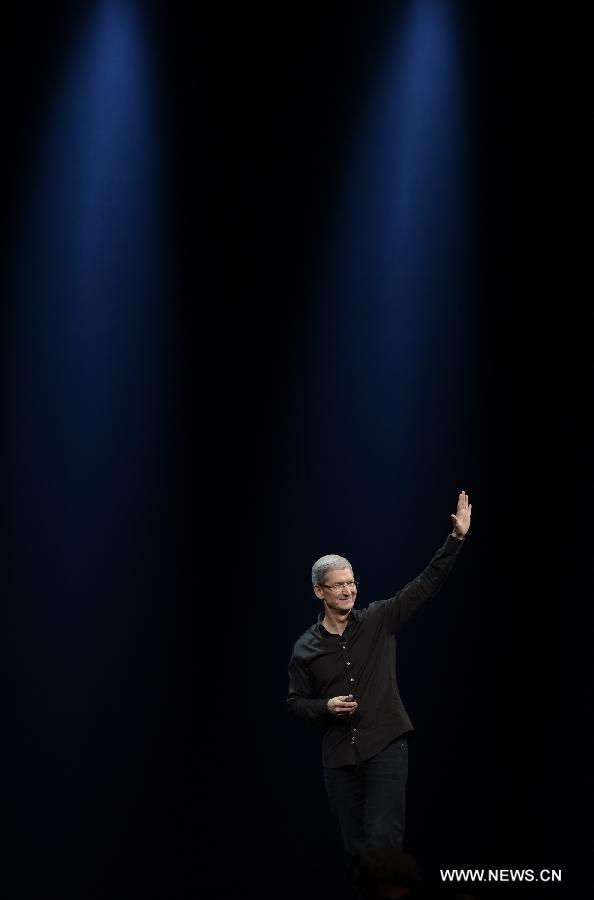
pixel 426 585
pixel 300 701
pixel 302 704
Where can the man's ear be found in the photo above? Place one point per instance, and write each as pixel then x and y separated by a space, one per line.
pixel 318 592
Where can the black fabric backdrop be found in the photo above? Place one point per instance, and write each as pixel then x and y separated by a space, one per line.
pixel 229 794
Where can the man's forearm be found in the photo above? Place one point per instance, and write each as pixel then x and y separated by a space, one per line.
pixel 406 603
pixel 308 708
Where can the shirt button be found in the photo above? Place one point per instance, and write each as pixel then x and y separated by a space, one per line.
pixel 354 729
pixel 348 662
pixel 351 679
pixel 353 740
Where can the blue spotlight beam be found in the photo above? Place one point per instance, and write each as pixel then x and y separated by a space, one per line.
pixel 387 351
pixel 85 408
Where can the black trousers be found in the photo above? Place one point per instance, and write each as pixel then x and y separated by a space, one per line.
pixel 369 799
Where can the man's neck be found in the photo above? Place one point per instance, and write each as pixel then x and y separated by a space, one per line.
pixel 335 624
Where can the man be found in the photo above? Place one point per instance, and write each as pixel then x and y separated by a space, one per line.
pixel 342 674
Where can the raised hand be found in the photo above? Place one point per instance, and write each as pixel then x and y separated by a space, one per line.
pixel 461 519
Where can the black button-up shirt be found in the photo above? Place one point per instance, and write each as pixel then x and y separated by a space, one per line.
pixel 361 661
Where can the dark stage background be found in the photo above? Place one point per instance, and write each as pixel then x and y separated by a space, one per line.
pixel 148 752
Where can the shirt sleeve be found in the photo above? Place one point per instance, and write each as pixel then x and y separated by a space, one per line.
pixel 426 585
pixel 300 700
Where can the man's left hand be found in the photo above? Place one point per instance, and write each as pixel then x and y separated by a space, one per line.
pixel 461 519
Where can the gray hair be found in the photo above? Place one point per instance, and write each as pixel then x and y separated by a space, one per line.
pixel 325 563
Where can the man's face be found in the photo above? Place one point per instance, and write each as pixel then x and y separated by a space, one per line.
pixel 341 599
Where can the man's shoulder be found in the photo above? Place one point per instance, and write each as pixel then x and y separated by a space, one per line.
pixel 375 608
pixel 307 641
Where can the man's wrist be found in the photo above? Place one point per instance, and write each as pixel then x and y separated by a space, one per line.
pixel 455 534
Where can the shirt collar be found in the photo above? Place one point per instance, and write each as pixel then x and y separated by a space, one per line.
pixel 354 617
